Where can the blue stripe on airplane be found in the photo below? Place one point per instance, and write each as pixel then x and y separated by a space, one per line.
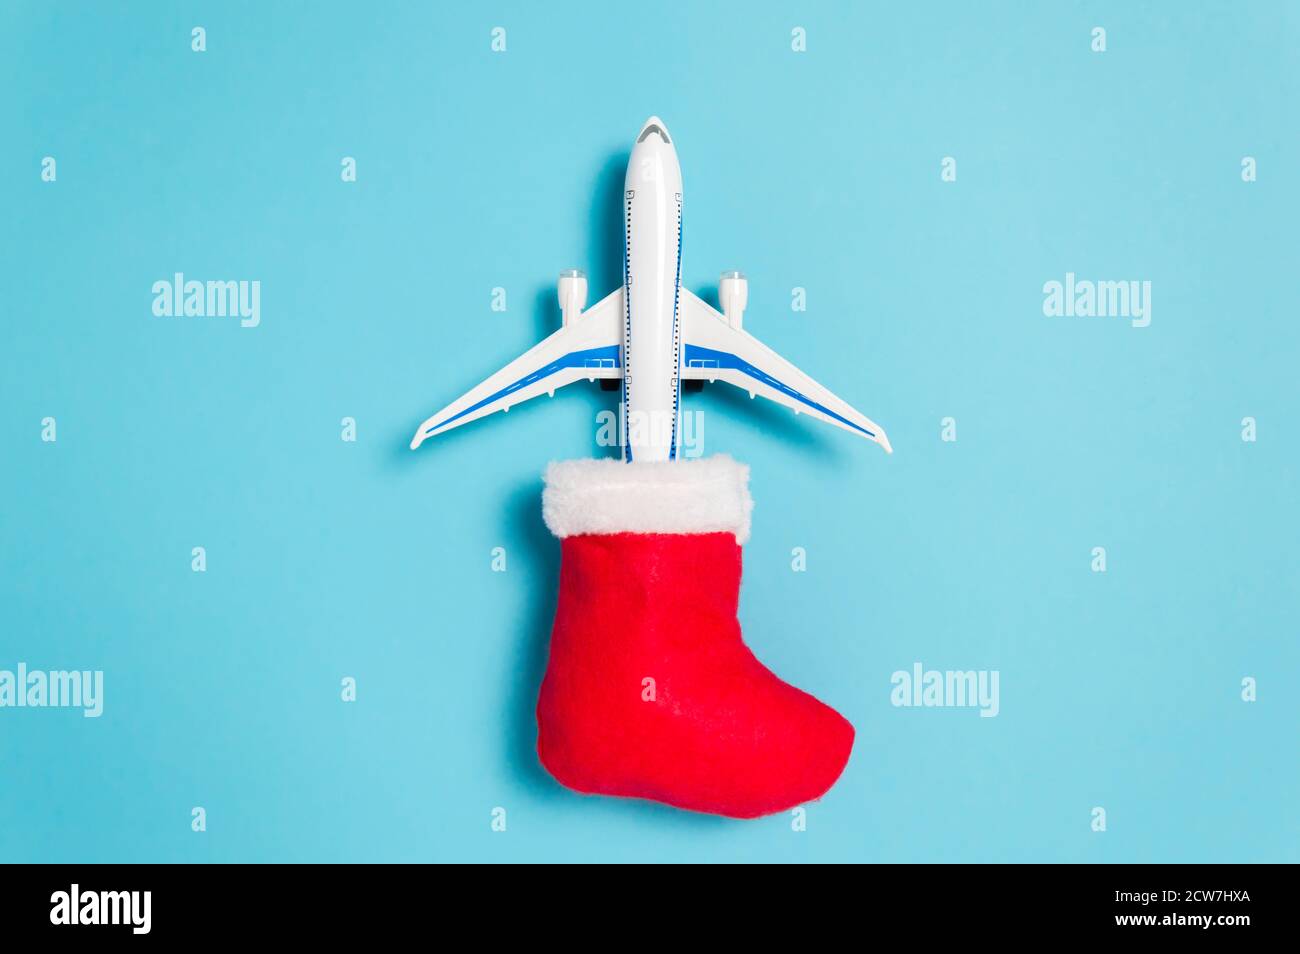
pixel 726 360
pixel 574 359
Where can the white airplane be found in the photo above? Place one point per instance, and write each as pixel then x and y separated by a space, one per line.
pixel 652 334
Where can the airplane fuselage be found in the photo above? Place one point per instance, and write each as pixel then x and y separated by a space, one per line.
pixel 652 268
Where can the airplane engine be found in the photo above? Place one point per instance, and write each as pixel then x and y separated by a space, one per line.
pixel 572 292
pixel 733 295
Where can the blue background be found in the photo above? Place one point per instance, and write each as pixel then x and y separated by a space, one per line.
pixel 820 170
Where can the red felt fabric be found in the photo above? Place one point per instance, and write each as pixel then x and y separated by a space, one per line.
pixel 720 733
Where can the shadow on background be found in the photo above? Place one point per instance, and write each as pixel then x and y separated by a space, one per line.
pixel 604 268
pixel 605 232
pixel 820 441
pixel 542 553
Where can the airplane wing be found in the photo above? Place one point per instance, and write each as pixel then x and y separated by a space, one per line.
pixel 590 347
pixel 715 351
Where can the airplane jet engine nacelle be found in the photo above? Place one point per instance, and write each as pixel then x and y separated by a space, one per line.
pixel 733 296
pixel 572 291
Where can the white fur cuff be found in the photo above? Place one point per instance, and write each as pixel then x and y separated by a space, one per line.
pixel 710 495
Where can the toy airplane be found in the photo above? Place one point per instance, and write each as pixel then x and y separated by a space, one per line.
pixel 652 334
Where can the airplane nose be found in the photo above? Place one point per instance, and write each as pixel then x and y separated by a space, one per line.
pixel 654 126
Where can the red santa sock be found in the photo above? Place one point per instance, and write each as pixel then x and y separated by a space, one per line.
pixel 650 691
